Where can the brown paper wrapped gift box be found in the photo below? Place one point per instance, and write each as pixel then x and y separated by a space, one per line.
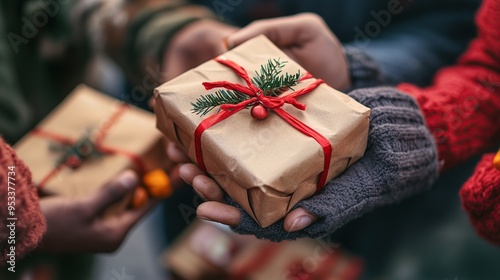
pixel 266 166
pixel 133 132
pixel 204 251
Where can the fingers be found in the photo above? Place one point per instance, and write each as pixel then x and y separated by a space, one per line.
pixel 113 230
pixel 195 44
pixel 298 219
pixel 219 212
pixel 132 216
pixel 283 32
pixel 176 154
pixel 205 186
pixel 208 189
pixel 113 191
pixel 189 171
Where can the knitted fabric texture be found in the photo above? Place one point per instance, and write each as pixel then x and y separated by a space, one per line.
pixel 30 223
pixel 481 199
pixel 462 106
pixel 364 71
pixel 400 160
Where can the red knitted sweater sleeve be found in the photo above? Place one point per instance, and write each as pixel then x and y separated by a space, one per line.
pixel 481 198
pixel 462 106
pixel 30 222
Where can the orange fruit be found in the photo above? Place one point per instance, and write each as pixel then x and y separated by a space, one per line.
pixel 140 197
pixel 496 161
pixel 158 183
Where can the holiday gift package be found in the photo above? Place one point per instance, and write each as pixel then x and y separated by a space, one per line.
pixel 267 131
pixel 300 259
pixel 208 251
pixel 87 141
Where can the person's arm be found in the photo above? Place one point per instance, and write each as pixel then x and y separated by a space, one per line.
pixel 14 111
pixel 462 106
pixel 413 48
pixel 480 198
pixel 135 33
pixel 26 232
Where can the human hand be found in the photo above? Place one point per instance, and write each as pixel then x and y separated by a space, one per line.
pixel 76 225
pixel 196 43
pixel 307 40
pixel 400 160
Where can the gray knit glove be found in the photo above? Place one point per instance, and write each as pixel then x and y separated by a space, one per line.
pixel 400 160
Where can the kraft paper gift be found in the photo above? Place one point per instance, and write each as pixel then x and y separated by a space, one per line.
pixel 129 140
pixel 206 251
pixel 266 166
pixel 299 259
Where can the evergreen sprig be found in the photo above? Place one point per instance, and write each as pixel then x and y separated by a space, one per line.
pixel 208 102
pixel 269 80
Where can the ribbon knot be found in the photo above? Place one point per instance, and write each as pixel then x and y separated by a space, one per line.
pixel 273 103
pixel 256 94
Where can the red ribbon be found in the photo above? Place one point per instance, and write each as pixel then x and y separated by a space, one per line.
pixel 99 138
pixel 273 103
pixel 262 258
pixel 335 265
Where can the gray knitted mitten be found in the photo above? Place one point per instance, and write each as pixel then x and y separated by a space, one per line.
pixel 400 160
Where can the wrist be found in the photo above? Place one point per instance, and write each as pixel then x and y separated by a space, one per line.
pixel 363 70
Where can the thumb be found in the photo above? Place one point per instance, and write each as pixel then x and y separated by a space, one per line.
pixel 114 191
pixel 298 219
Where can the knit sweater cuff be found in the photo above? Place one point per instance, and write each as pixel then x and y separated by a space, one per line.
pixel 29 226
pixel 480 198
pixel 364 71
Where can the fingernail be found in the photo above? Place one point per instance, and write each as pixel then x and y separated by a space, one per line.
pixel 128 180
pixel 205 218
pixel 300 223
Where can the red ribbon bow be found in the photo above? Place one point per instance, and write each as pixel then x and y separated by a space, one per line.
pixel 273 103
pixel 99 138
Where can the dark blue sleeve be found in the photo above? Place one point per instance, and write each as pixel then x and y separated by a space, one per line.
pixel 414 49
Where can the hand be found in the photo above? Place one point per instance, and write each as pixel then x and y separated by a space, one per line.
pixel 76 225
pixel 400 160
pixel 194 44
pixel 306 39
pixel 215 208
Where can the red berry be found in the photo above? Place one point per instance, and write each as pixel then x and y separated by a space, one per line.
pixel 73 161
pixel 259 112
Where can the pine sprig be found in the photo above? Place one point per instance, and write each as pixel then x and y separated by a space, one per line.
pixel 208 102
pixel 269 80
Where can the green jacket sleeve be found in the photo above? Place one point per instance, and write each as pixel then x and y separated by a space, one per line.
pixel 14 111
